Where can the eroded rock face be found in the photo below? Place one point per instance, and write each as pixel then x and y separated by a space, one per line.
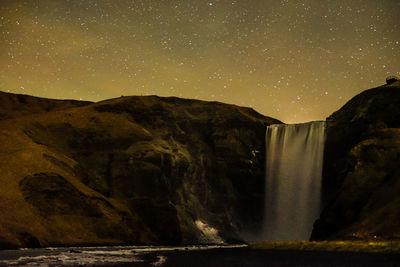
pixel 51 194
pixel 138 170
pixel 361 177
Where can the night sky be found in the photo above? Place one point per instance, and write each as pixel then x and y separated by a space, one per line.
pixel 293 60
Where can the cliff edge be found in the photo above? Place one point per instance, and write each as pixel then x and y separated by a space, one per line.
pixel 131 170
pixel 361 175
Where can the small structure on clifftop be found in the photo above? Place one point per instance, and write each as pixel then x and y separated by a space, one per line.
pixel 391 79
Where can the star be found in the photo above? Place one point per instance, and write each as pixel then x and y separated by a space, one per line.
pixel 258 54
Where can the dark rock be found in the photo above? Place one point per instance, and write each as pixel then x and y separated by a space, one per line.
pixel 161 218
pixel 361 175
pixel 28 240
pixel 51 194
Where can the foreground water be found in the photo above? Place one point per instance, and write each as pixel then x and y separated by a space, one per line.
pixel 189 256
pixel 95 256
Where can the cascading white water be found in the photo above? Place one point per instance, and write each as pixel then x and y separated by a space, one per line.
pixel 294 155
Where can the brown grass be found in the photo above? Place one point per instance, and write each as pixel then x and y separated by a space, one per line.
pixel 353 246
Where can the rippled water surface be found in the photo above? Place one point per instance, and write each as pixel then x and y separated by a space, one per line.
pixel 193 256
pixel 95 256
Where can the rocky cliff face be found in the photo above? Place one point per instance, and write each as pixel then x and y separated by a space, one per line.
pixel 361 177
pixel 132 170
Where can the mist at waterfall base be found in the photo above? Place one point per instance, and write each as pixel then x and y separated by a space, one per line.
pixel 294 155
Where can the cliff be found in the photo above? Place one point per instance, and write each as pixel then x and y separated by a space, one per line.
pixel 361 176
pixel 131 170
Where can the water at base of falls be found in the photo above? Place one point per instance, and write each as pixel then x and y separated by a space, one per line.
pixel 294 155
pixel 105 255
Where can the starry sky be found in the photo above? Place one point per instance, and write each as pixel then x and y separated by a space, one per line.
pixel 296 61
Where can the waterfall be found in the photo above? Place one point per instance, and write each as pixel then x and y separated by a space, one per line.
pixel 294 155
